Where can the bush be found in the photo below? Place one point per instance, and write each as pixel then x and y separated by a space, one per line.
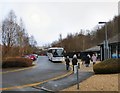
pixel 16 62
pixel 108 66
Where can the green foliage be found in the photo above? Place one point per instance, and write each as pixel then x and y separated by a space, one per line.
pixel 108 66
pixel 16 62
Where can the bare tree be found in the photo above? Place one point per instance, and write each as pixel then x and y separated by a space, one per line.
pixel 81 41
pixel 9 30
pixel 32 41
pixel 21 37
pixel 9 34
pixel 15 39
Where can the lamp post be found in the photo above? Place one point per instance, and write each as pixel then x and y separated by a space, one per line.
pixel 106 41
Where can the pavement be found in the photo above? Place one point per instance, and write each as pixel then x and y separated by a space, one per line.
pixel 68 81
pixel 57 85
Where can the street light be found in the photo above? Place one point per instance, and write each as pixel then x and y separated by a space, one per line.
pixel 106 41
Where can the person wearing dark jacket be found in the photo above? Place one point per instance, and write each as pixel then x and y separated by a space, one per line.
pixel 74 61
pixel 67 60
pixel 87 60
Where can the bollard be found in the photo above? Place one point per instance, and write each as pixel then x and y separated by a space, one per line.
pixel 77 78
pixel 75 69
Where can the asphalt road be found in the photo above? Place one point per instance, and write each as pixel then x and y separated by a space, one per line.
pixel 43 70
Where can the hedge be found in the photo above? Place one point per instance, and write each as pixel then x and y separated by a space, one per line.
pixel 16 62
pixel 109 66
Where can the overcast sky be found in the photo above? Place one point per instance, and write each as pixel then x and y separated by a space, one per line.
pixel 46 20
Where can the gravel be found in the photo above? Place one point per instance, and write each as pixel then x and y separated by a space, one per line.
pixel 99 82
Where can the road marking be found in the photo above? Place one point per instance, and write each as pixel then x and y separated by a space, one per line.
pixel 34 84
pixel 17 70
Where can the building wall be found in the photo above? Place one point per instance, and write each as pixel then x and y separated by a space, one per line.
pixel 113 51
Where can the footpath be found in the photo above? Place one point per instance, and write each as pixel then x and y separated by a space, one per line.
pixel 68 81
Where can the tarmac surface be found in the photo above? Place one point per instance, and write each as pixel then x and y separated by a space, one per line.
pixel 60 84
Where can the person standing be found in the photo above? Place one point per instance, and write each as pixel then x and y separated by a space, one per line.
pixel 94 59
pixel 89 55
pixel 87 61
pixel 67 60
pixel 74 61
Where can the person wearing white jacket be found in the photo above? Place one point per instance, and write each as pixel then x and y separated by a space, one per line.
pixel 94 58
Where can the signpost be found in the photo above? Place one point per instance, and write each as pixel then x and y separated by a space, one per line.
pixel 106 50
pixel 78 67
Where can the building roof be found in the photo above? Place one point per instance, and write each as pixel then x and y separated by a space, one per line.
pixel 95 48
pixel 114 39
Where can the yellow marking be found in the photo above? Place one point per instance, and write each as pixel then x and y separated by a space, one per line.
pixel 34 84
pixel 17 70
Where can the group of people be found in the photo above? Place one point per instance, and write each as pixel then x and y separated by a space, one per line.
pixel 74 62
pixel 86 61
pixel 88 58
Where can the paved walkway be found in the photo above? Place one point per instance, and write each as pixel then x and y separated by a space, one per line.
pixel 57 85
pixel 63 83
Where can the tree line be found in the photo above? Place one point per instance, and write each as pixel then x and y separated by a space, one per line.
pixel 80 41
pixel 15 39
pixel 17 42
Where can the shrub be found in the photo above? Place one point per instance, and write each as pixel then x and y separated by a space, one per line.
pixel 16 62
pixel 108 66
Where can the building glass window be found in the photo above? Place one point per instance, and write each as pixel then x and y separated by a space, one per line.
pixel 114 51
pixel 118 50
